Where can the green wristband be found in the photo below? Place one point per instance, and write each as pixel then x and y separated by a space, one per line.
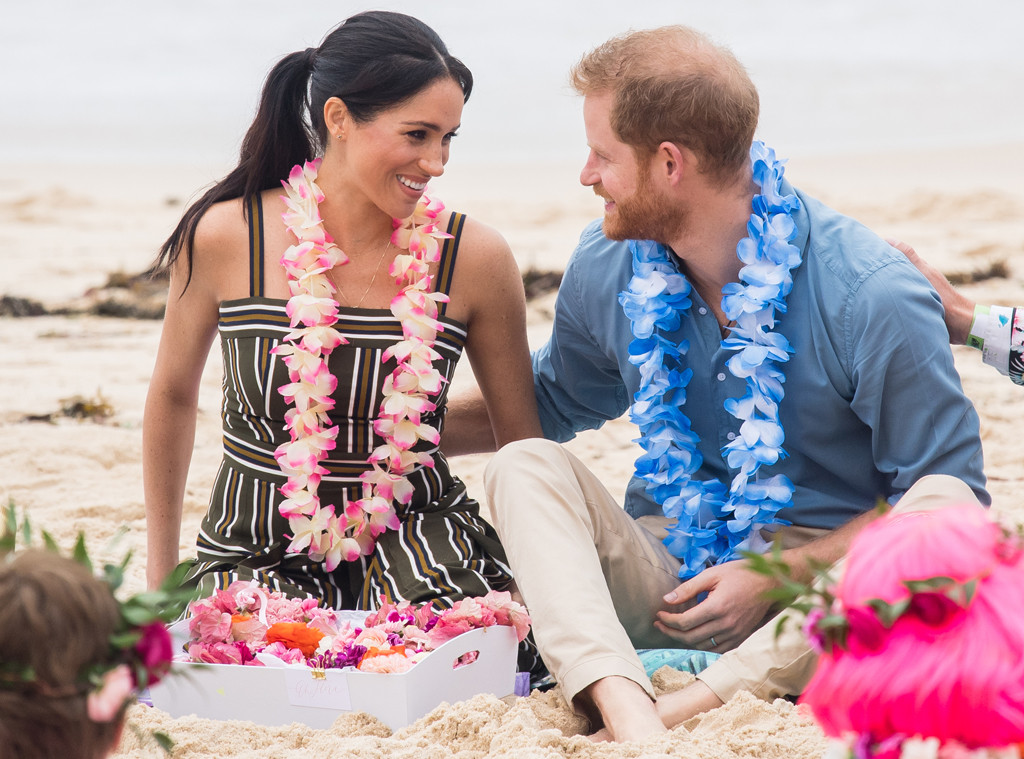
pixel 979 327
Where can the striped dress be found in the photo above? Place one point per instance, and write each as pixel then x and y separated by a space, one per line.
pixel 443 550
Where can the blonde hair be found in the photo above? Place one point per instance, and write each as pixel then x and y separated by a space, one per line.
pixel 673 84
pixel 55 626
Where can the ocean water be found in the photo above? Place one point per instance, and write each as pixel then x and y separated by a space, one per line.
pixel 173 82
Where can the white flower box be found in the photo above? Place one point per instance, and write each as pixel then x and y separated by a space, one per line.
pixel 297 693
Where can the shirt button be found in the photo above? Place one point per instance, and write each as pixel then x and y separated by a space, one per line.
pixel 721 377
pixel 702 310
pixel 731 436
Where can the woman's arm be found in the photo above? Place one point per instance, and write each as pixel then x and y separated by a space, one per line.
pixel 169 424
pixel 489 287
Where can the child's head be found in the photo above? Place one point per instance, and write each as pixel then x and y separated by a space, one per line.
pixel 951 665
pixel 56 622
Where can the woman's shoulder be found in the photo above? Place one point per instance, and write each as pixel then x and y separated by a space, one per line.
pixel 222 227
pixel 479 241
pixel 486 274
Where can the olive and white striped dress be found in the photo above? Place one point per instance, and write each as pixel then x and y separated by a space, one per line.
pixel 443 550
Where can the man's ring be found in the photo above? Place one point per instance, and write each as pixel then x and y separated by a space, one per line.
pixel 713 643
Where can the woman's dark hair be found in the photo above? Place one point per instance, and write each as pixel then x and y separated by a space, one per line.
pixel 372 61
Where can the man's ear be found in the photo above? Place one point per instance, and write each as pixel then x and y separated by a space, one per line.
pixel 337 118
pixel 674 163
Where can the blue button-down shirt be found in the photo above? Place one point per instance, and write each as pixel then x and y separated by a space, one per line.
pixel 872 402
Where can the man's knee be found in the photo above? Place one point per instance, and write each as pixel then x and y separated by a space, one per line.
pixel 936 491
pixel 521 459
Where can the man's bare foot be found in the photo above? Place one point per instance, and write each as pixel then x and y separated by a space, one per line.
pixel 626 709
pixel 677 707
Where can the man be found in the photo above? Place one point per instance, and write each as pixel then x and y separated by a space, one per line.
pixel 870 403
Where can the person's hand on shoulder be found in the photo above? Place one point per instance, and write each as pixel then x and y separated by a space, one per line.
pixel 959 309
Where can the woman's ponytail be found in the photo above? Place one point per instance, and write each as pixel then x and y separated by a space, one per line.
pixel 279 137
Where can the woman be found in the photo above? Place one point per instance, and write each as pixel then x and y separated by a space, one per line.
pixel 332 483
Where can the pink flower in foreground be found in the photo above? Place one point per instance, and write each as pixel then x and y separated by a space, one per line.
pixel 811 631
pixel 311 311
pixel 316 339
pixel 298 259
pixel 297 360
pixel 935 609
pixel 417 310
pixel 307 532
pixel 399 402
pixel 340 547
pixel 302 503
pixel 386 665
pixel 209 625
pixel 406 433
pixel 508 612
pixel 866 629
pixel 249 595
pixel 372 637
pixel 406 268
pixel 285 654
pixel 399 460
pixel 301 457
pixel 393 487
pixel 381 517
pixel 104 703
pixel 312 387
pixel 248 629
pixel 155 650
pixel 219 653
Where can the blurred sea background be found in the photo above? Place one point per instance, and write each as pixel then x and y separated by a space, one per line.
pixel 124 81
pixel 130 107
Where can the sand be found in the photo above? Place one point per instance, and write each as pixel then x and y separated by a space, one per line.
pixel 63 231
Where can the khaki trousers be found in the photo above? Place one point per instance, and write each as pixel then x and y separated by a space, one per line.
pixel 593 577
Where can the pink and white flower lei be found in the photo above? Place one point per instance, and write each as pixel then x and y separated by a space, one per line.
pixel 318 528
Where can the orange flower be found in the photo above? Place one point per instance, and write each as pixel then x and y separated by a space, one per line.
pixel 295 635
pixel 373 651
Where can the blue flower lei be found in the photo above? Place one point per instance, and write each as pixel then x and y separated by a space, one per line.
pixel 714 525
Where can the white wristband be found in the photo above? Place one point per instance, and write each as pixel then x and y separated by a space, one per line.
pixel 990 333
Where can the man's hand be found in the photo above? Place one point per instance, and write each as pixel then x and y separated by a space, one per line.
pixel 734 607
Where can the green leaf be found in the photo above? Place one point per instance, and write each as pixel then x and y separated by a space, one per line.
pixel 124 639
pixel 80 554
pixel 780 625
pixel 164 741
pixel 137 615
pixel 114 575
pixel 932 583
pixel 175 579
pixel 49 543
pixel 887 612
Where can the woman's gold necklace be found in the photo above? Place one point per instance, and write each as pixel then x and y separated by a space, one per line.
pixel 373 279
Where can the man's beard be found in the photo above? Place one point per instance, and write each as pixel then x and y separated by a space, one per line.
pixel 644 215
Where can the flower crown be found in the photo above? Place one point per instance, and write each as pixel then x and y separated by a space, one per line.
pixel 831 627
pixel 829 624
pixel 140 648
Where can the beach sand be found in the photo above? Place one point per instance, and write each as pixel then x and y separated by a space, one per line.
pixel 63 231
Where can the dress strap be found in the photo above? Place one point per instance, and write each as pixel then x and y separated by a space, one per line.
pixel 255 246
pixel 446 266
